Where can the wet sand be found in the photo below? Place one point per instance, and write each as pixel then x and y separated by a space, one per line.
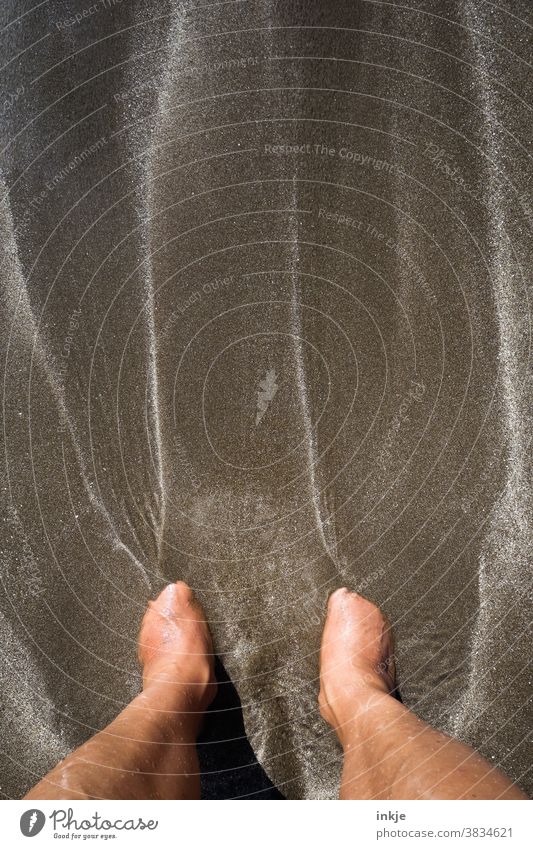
pixel 265 328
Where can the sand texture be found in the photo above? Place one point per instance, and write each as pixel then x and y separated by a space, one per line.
pixel 265 327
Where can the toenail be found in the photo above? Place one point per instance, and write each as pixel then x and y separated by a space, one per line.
pixel 338 592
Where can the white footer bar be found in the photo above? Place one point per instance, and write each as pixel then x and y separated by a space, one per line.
pixel 267 825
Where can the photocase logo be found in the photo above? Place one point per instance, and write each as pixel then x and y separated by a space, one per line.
pixel 31 822
pixel 267 390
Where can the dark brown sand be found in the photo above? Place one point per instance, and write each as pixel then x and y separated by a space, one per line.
pixel 265 327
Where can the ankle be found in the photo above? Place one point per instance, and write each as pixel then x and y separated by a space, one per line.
pixel 177 694
pixel 170 712
pixel 351 709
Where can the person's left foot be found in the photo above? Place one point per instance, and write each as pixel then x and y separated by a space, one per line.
pixel 175 646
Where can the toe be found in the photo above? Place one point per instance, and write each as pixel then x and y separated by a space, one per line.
pixel 182 590
pixel 177 601
pixel 336 596
pixel 174 596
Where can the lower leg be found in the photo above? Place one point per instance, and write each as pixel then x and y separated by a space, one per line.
pixel 149 750
pixel 389 753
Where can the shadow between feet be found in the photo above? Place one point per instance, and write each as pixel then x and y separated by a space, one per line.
pixel 229 768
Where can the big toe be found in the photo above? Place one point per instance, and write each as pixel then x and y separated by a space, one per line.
pixel 174 618
pixel 353 618
pixel 173 599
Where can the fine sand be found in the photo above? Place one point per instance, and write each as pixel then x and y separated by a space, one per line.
pixel 265 327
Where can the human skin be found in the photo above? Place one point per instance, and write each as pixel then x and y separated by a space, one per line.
pixel 149 750
pixel 389 753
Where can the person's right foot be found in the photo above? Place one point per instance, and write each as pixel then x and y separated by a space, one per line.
pixel 356 658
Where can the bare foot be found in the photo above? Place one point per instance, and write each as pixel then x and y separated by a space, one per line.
pixel 175 648
pixel 356 658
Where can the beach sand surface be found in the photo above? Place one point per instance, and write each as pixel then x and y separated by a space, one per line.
pixel 265 327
